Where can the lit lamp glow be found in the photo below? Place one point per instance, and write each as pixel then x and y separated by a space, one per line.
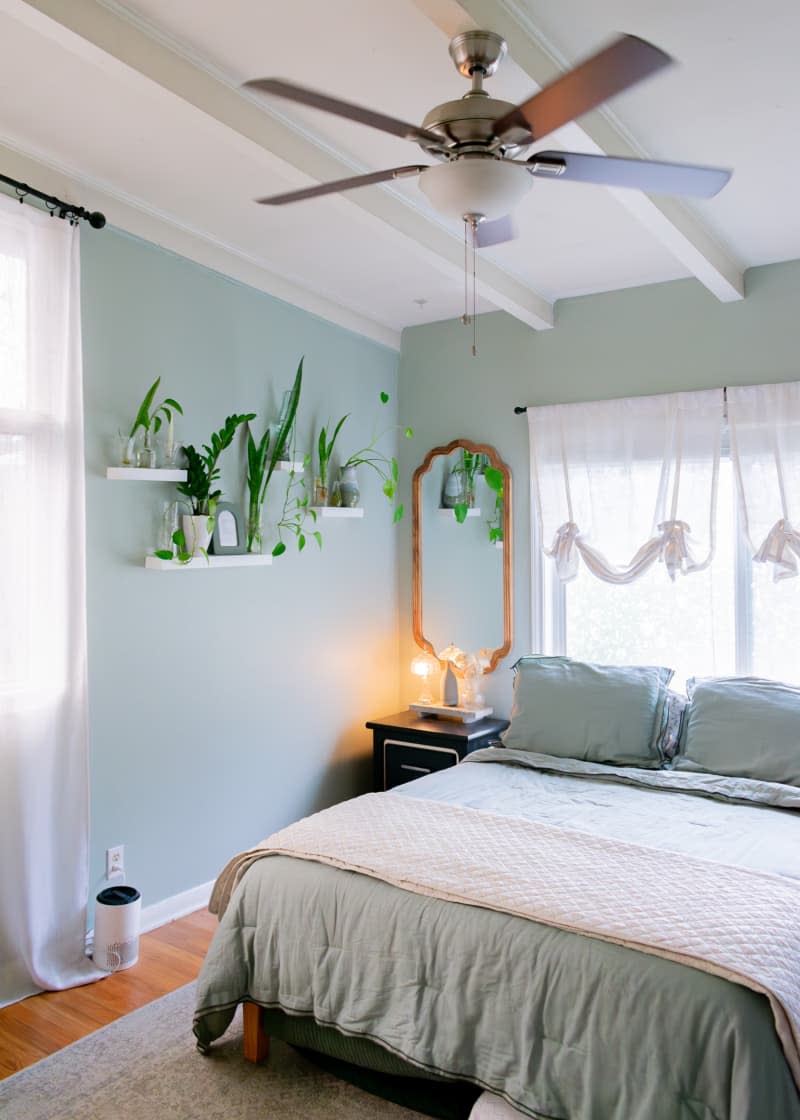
pixel 426 668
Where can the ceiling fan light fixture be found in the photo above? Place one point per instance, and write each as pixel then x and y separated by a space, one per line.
pixel 489 187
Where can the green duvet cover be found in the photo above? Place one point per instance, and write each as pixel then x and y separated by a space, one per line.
pixel 562 1025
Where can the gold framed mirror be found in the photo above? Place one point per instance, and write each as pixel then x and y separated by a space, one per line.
pixel 462 550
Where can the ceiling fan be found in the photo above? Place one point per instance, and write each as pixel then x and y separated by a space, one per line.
pixel 480 141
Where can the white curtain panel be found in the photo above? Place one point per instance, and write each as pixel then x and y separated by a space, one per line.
pixel 43 704
pixel 764 422
pixel 622 484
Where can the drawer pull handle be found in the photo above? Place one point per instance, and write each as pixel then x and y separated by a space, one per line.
pixel 416 769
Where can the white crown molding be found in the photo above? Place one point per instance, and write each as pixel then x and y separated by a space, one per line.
pixel 135 217
pixel 670 221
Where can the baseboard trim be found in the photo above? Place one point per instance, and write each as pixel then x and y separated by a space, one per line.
pixel 176 906
pixel 167 910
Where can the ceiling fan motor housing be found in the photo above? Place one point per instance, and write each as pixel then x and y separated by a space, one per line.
pixel 470 121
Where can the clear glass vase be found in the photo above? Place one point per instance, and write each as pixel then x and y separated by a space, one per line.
pixel 146 455
pixel 255 529
pixel 320 493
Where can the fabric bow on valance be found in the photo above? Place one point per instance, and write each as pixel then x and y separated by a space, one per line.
pixel 764 423
pixel 623 484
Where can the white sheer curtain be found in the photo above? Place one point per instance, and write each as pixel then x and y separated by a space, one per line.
pixel 764 423
pixel 43 735
pixel 593 506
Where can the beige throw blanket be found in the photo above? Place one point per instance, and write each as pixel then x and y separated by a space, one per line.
pixel 740 924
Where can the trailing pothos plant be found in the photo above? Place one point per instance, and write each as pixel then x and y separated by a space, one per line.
pixel 262 461
pixel 385 466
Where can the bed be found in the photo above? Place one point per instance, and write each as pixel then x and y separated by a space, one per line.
pixel 340 935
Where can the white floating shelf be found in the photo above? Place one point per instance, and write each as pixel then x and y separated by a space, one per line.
pixel 199 563
pixel 145 474
pixel 473 511
pixel 286 465
pixel 338 511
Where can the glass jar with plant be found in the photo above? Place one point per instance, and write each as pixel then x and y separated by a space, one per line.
pixel 494 480
pixel 149 419
pixel 471 464
pixel 263 457
pixel 324 452
pixel 385 466
pixel 202 471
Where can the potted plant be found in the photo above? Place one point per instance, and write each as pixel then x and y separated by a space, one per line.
pixel 201 474
pixel 324 452
pixel 494 480
pixel 149 419
pixel 263 457
pixel 471 463
pixel 385 467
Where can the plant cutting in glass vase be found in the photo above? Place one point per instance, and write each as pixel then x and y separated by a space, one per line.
pixel 470 466
pixel 263 457
pixel 202 471
pixel 149 419
pixel 324 451
pixel 385 466
pixel 494 480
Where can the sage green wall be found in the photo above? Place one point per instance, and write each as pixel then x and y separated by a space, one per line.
pixel 223 704
pixel 644 340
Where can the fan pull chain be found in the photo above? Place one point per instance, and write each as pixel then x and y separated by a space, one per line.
pixel 465 316
pixel 474 288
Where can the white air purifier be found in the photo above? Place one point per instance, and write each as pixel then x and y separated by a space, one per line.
pixel 116 928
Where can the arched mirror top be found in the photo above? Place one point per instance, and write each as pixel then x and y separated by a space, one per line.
pixel 462 548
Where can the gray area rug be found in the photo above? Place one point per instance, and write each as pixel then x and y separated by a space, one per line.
pixel 145 1067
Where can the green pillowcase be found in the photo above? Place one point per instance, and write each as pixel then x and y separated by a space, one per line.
pixel 598 713
pixel 742 727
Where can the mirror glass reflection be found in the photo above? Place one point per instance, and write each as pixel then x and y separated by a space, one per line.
pixel 462 563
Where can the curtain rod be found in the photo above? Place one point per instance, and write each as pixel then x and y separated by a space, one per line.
pixel 57 206
pixel 519 409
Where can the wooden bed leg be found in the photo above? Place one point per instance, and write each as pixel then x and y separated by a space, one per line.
pixel 256 1042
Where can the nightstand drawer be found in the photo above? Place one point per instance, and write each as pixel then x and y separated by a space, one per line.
pixel 403 762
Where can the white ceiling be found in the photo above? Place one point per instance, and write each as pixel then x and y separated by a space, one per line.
pixel 136 107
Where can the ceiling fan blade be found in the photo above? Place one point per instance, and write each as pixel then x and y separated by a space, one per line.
pixel 626 61
pixel 342 185
pixel 495 232
pixel 640 174
pixel 304 96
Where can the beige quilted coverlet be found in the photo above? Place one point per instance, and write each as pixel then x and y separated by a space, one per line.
pixel 738 923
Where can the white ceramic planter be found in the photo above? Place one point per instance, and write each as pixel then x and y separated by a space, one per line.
pixel 197 533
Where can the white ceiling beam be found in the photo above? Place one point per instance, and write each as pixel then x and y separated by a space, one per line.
pixel 668 220
pixel 98 27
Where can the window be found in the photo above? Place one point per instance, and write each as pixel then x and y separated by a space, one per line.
pixel 729 618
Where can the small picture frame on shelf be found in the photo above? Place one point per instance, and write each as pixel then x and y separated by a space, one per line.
pixel 227 538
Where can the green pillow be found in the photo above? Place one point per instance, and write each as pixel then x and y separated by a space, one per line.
pixel 599 713
pixel 743 727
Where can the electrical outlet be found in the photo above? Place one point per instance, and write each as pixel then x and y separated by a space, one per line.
pixel 115 862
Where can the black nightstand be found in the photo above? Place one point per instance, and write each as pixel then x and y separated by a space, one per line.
pixel 407 746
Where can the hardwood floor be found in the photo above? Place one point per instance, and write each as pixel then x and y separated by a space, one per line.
pixel 169 957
